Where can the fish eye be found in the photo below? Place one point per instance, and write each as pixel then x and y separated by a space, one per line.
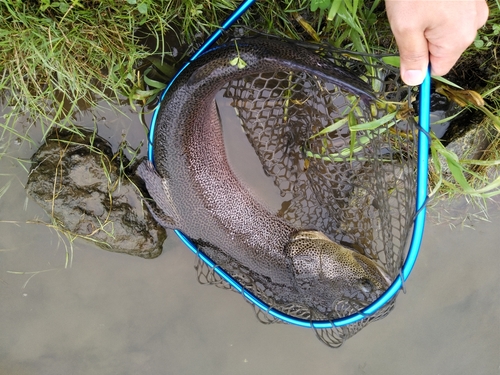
pixel 366 285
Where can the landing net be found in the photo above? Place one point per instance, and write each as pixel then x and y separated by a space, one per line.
pixel 343 166
pixel 356 171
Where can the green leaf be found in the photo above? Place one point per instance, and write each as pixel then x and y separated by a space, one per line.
pixel 63 7
pixel 167 69
pixel 319 4
pixel 142 8
pixel 334 9
pixel 392 60
pixel 352 146
pixel 487 192
pixel 490 91
pixel 487 163
pixel 375 123
pixel 238 61
pixel 330 128
pixel 444 80
pixel 152 83
pixel 44 4
pixel 350 19
pixel 478 43
pixel 449 118
pixel 457 171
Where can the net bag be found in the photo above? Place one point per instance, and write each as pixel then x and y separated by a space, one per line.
pixel 343 165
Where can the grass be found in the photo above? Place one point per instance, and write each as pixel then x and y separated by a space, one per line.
pixel 55 60
pixel 58 58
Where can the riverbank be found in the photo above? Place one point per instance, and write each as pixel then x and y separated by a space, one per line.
pixel 60 58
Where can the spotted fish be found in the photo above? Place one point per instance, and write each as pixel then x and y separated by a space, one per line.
pixel 195 190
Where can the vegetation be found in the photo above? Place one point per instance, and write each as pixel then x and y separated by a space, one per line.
pixel 60 57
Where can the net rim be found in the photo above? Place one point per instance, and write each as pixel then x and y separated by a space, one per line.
pixel 418 223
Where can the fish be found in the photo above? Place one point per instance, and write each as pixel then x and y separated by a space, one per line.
pixel 194 189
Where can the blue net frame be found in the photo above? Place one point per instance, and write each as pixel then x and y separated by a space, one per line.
pixel 418 223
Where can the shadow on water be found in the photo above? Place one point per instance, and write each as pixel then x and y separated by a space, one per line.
pixel 115 314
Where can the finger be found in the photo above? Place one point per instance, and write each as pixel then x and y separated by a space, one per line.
pixel 443 59
pixel 482 13
pixel 445 50
pixel 414 57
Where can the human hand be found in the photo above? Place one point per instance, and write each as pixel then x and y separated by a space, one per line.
pixel 438 31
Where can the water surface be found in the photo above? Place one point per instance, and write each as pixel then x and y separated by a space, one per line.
pixel 116 314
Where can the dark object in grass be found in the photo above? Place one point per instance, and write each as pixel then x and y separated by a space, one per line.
pixel 87 190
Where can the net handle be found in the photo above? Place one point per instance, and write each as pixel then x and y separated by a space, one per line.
pixel 419 221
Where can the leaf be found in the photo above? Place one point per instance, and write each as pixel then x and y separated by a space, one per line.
pixel 319 4
pixel 241 64
pixel 152 83
pixel 167 69
pixel 461 97
pixel 306 26
pixel 494 119
pixel 486 191
pixel 487 163
pixel 491 91
pixel 63 7
pixel 449 118
pixel 392 60
pixel 238 61
pixel 375 123
pixel 457 170
pixel 142 8
pixel 44 4
pixel 478 43
pixel 351 21
pixel 444 80
pixel 334 9
pixel 330 128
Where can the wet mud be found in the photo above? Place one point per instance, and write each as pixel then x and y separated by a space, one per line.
pixel 93 194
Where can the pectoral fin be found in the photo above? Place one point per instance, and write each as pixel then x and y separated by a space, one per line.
pixel 161 206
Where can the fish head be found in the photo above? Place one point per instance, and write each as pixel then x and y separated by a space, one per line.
pixel 326 271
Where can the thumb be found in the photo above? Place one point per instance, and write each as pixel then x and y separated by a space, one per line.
pixel 414 58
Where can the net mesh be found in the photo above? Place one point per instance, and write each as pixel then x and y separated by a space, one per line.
pixel 356 186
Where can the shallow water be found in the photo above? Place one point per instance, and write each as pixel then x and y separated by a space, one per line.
pixel 116 314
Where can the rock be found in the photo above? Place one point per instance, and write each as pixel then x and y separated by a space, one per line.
pixel 468 136
pixel 90 194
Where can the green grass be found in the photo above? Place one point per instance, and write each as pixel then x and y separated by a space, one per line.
pixel 55 61
pixel 58 58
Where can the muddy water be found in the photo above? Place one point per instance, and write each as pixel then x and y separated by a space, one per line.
pixel 116 314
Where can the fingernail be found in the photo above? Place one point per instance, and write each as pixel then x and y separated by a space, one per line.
pixel 413 77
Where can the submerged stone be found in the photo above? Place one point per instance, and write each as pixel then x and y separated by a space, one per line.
pixel 91 193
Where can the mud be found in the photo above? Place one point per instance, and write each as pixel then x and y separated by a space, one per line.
pixel 92 193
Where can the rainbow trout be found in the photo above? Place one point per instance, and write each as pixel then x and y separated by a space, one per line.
pixel 195 190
